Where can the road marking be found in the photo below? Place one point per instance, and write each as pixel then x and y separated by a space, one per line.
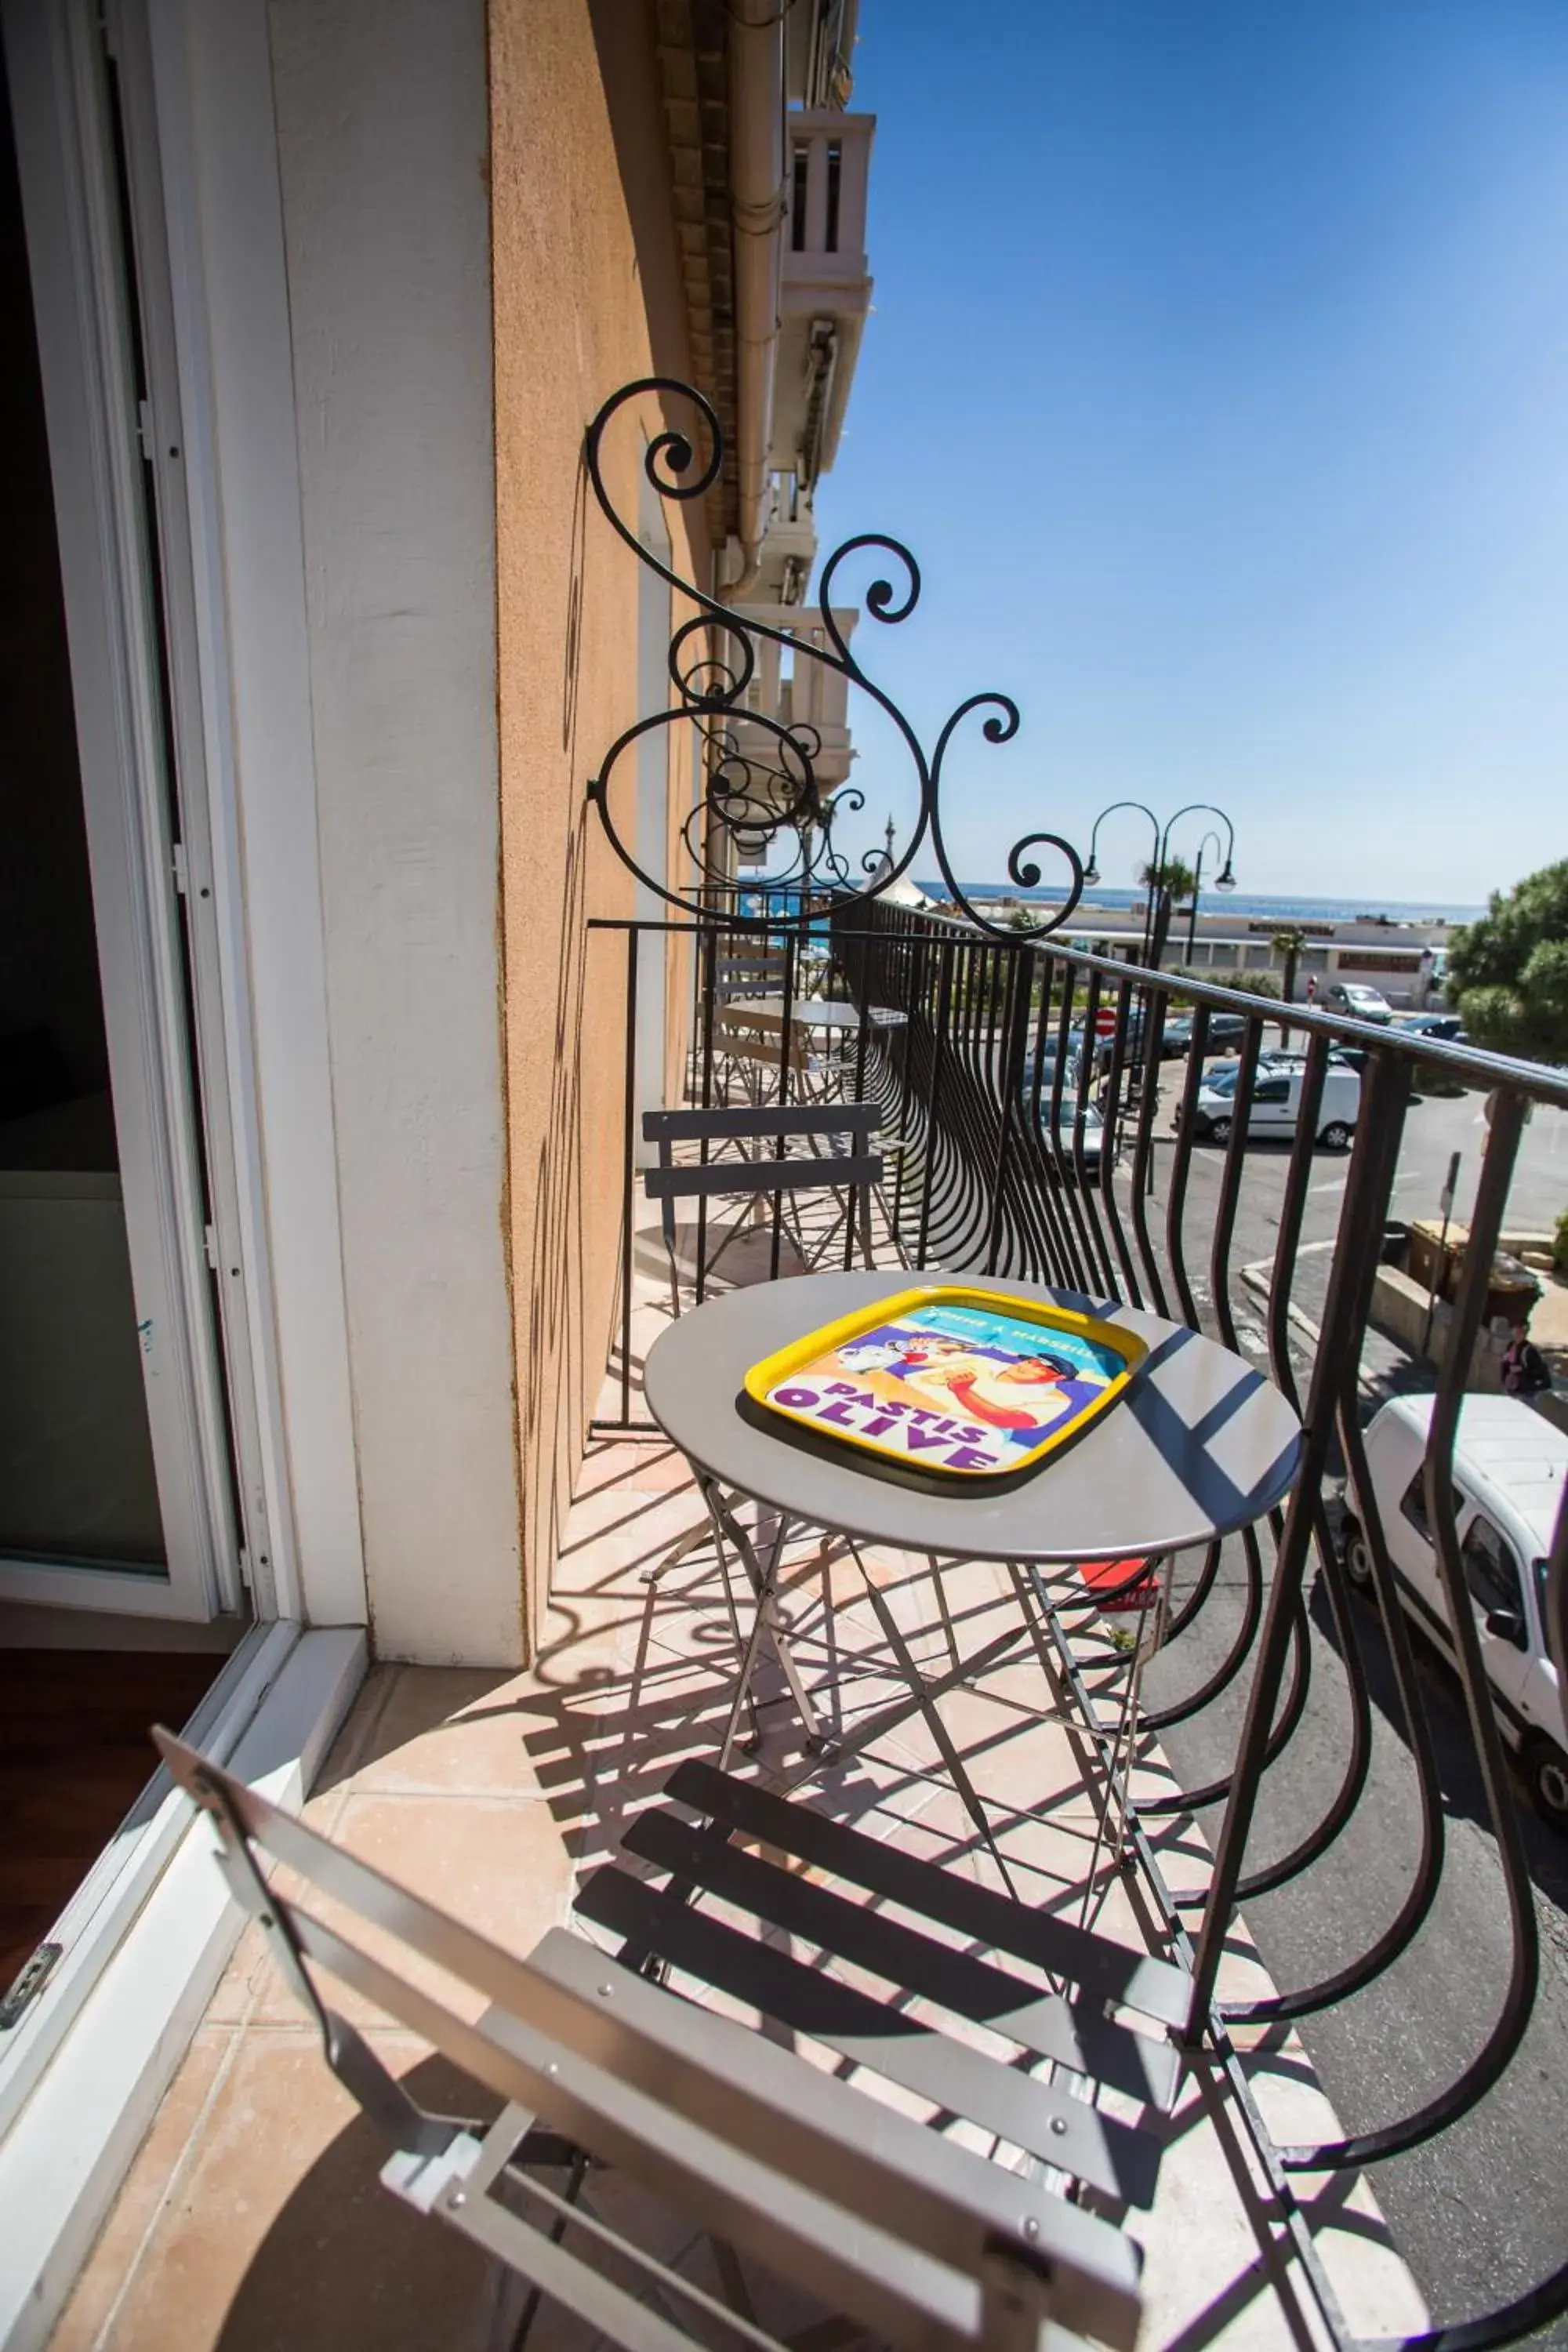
pixel 1338 1187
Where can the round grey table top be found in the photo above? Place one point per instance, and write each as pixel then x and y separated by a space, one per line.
pixel 820 1011
pixel 1199 1444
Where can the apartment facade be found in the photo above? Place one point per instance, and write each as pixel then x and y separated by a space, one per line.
pixel 313 1122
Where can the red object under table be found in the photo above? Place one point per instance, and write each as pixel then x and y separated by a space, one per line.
pixel 1117 1584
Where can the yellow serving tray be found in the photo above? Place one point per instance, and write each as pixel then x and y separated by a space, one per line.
pixel 947 1382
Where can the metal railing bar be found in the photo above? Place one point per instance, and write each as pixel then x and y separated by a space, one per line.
pixel 1509 2027
pixel 1015 1036
pixel 1152 1029
pixel 1086 1194
pixel 1389 1133
pixel 944 1014
pixel 1282 1731
pixel 1282 1612
pixel 628 1172
pixel 1087 1275
pixel 1293 1214
pixel 1181 1168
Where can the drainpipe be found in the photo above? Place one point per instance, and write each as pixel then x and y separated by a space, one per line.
pixel 757 197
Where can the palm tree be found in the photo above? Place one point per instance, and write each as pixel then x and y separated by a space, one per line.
pixel 1175 875
pixel 1166 884
pixel 1288 942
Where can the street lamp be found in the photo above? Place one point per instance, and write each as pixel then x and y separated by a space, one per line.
pixel 1156 910
pixel 1091 871
pixel 1224 880
pixel 1159 921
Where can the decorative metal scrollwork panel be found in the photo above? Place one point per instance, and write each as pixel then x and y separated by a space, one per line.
pixel 763 805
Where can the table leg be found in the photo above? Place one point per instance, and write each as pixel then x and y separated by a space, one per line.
pixel 1113 1744
pixel 923 1698
pixel 767 1621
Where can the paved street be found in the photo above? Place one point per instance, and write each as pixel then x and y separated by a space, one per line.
pixel 1483 2212
pixel 1435 1128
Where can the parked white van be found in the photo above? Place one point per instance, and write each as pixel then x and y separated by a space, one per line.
pixel 1277 1103
pixel 1510 1464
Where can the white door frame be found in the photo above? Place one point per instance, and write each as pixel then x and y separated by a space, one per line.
pixel 195 87
pixel 76 250
pixel 85 2065
pixel 210 73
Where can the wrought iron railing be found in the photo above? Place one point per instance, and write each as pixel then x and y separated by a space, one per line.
pixel 979 1081
pixel 1002 1163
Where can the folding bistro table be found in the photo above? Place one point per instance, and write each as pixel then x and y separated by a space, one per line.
pixel 1200 1444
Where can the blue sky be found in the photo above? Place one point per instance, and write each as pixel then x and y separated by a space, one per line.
pixel 1218 378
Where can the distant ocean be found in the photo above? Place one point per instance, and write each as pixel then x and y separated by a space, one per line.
pixel 1238 902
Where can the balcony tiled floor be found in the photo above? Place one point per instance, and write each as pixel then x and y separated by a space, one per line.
pixel 252 2218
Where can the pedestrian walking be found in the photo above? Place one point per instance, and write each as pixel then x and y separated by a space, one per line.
pixel 1524 1372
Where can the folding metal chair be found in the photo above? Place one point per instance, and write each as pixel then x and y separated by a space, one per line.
pixel 797 2165
pixel 854 1172
pixel 753 1046
pixel 769 1172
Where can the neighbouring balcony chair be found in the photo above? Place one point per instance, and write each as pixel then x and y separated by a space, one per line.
pixel 752 1047
pixel 608 2071
pixel 744 969
pixel 765 1172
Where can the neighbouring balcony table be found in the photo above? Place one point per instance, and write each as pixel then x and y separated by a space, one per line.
pixel 1200 1444
pixel 823 1013
pixel 820 1011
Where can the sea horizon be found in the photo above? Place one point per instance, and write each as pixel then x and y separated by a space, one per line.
pixel 1233 902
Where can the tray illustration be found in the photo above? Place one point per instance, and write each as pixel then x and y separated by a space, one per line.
pixel 952 1383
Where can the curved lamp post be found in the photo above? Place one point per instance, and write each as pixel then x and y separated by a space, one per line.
pixel 1224 880
pixel 1157 910
pixel 1091 871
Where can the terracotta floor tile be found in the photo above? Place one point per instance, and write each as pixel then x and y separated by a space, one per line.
pixel 632 1466
pixel 503 1869
pixel 240 1982
pixel 279 2236
pixel 450 1730
pixel 147 2185
pixel 360 1722
pixel 646 1523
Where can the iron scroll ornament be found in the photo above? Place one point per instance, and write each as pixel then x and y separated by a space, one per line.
pixel 757 799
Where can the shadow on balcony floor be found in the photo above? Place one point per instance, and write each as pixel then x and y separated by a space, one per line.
pixel 253 2219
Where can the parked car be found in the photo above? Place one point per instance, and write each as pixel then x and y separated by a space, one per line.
pixel 1226 1030
pixel 1092 1139
pixel 1508 1469
pixel 1360 1003
pixel 1049 1053
pixel 1277 1103
pixel 1446 1026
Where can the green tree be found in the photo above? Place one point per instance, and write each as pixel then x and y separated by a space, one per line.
pixel 1508 974
pixel 1167 884
pixel 1175 878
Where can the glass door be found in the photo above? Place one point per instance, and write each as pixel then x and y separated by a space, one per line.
pixel 116 1489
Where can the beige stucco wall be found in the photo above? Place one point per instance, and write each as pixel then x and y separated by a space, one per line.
pixel 586 296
